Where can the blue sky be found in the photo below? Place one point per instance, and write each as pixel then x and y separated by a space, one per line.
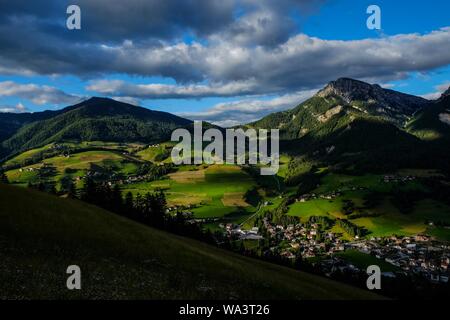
pixel 232 62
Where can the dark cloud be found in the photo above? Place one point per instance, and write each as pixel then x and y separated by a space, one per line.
pixel 300 63
pixel 106 20
pixel 240 48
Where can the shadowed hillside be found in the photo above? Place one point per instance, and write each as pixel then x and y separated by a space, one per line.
pixel 40 235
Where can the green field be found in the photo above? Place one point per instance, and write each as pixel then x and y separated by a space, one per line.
pixel 217 190
pixel 76 165
pixel 156 153
pixel 40 235
pixel 384 219
pixel 73 147
pixel 210 191
pixel 17 160
pixel 316 207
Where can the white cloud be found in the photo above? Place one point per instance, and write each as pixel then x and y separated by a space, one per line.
pixel 37 94
pixel 166 91
pixel 440 89
pixel 300 63
pixel 130 100
pixel 248 110
pixel 18 108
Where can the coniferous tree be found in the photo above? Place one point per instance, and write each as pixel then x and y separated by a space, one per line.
pixel 128 206
pixel 139 207
pixel 3 177
pixel 117 201
pixel 71 189
pixel 89 192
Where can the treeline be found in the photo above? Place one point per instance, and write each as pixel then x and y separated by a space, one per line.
pixel 324 222
pixel 3 177
pixel 351 228
pixel 154 172
pixel 279 215
pixel 149 209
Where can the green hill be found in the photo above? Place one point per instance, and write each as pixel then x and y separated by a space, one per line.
pixel 433 123
pixel 357 126
pixel 40 235
pixel 347 100
pixel 96 119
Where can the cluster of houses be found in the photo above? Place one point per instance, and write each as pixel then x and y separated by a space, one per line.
pixel 113 178
pixel 313 196
pixel 57 146
pixel 412 255
pixel 29 169
pixel 235 231
pixel 43 166
pixel 418 255
pixel 303 238
pixel 328 196
pixel 332 264
pixel 395 178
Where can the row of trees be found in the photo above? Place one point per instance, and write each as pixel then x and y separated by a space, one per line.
pixel 351 228
pixel 149 209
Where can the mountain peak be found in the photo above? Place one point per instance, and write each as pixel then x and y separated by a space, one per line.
pixel 98 99
pixel 350 89
pixel 446 93
pixel 101 100
pixel 395 105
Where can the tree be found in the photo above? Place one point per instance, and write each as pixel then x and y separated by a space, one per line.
pixel 158 205
pixel 3 177
pixel 68 186
pixel 89 191
pixel 139 206
pixel 128 209
pixel 116 199
pixel 298 264
pixel 72 190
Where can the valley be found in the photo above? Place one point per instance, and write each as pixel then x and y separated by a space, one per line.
pixel 352 178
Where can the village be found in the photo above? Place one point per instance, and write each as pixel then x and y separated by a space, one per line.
pixel 418 255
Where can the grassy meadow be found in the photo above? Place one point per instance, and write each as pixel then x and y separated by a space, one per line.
pixel 213 192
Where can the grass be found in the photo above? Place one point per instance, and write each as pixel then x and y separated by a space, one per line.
pixel 78 162
pixel 384 219
pixel 333 181
pixel 218 191
pixel 40 235
pixel 393 222
pixel 213 188
pixel 157 153
pixel 234 199
pixel 363 260
pixel 440 233
pixel 316 207
pixel 340 231
pixel 17 160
